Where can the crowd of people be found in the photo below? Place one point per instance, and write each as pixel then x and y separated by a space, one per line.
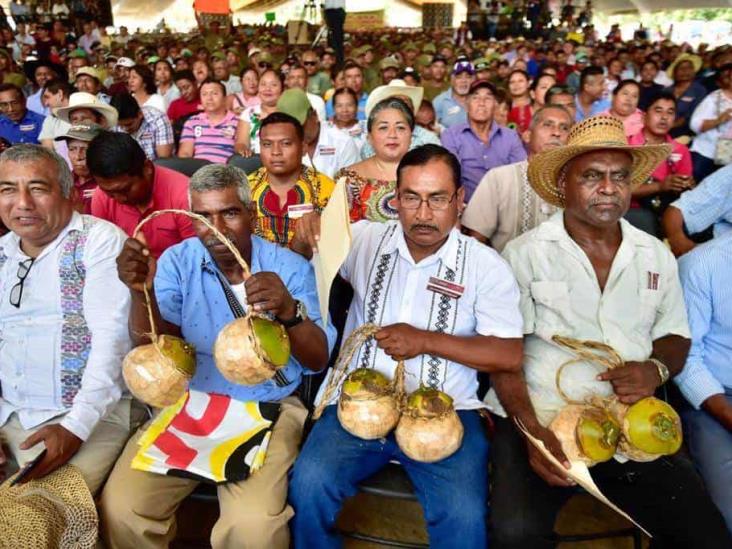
pixel 502 190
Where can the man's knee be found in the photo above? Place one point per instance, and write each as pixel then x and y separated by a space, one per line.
pixel 515 530
pixel 116 510
pixel 251 524
pixel 309 480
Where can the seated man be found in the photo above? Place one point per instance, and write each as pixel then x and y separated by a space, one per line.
pixel 210 134
pixel 590 275
pixel 445 340
pixel 150 127
pixel 188 103
pixel 707 205
pixel 326 148
pixel 706 380
pixel 284 189
pixel 77 140
pixel 83 107
pixel 450 105
pixel 17 123
pixel 504 205
pixel 193 282
pixel 87 80
pixel 480 143
pixel 131 187
pixel 63 318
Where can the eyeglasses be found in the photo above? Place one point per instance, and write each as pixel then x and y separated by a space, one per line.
pixel 435 203
pixel 16 292
pixel 9 105
pixel 310 63
pixel 264 65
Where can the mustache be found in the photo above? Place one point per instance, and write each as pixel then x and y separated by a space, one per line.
pixel 605 202
pixel 417 226
pixel 213 241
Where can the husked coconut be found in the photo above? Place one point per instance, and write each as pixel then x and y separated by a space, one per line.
pixel 367 407
pixel 587 433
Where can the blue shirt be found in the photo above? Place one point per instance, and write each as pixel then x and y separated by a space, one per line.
pixel 33 103
pixel 189 295
pixel 597 107
pixel 360 115
pixel 685 106
pixel 710 203
pixel 25 131
pixel 705 274
pixel 448 111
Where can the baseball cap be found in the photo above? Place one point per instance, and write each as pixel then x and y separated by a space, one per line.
pixel 88 71
pixel 81 132
pixel 125 62
pixel 295 103
pixel 463 66
pixel 481 64
pixel 581 58
pixel 481 84
pixel 438 57
pixel 388 63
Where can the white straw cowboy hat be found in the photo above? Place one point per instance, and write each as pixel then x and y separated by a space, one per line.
pixel 394 88
pixel 83 100
pixel 593 134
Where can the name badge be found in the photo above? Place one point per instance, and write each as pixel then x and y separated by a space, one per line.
pixel 229 132
pixel 453 110
pixel 674 157
pixel 687 99
pixel 326 151
pixel 296 211
pixel 198 131
pixel 444 287
pixel 27 127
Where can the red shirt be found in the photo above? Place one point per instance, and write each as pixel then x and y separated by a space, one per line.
pixel 170 190
pixel 678 162
pixel 85 189
pixel 180 107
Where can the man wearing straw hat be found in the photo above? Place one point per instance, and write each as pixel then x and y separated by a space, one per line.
pixel 587 274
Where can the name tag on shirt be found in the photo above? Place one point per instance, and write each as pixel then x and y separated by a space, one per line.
pixel 687 99
pixel 674 157
pixel 326 151
pixel 453 110
pixel 27 127
pixel 444 287
pixel 296 211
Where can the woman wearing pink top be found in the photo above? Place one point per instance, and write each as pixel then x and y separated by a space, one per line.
pixel 248 97
pixel 625 106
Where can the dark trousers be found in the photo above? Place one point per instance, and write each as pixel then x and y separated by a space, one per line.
pixel 335 18
pixel 666 496
pixel 703 166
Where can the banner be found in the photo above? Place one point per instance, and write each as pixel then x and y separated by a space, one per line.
pixel 211 6
pixel 364 20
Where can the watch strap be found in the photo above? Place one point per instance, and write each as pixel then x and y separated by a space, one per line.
pixel 663 372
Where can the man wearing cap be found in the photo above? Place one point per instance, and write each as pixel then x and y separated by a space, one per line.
pixel 210 135
pixel 325 148
pixel 353 75
pixel 318 80
pixel 87 80
pixel 389 68
pixel 587 274
pixel 581 60
pixel 410 52
pixel 480 144
pixel 450 104
pixel 437 83
pixel 17 123
pixel 297 78
pixel 131 187
pixel 504 205
pixel 40 72
pixel 150 127
pixel 77 139
pixel 121 74
pixel 77 59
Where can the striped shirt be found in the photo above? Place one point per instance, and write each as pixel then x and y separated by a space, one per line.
pixel 705 273
pixel 155 130
pixel 211 142
pixel 709 203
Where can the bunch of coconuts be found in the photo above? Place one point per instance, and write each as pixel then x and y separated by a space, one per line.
pixel 247 351
pixel 594 431
pixel 370 406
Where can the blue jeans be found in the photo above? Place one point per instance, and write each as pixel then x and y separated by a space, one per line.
pixel 710 446
pixel 453 492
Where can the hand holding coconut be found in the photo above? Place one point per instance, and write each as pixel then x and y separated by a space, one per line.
pixel 401 341
pixel 136 265
pixel 633 381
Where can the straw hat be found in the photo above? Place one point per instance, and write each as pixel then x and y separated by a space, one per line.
pixel 83 100
pixel 395 87
pixel 593 134
pixel 695 60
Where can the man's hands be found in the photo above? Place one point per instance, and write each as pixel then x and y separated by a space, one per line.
pixel 401 341
pixel 634 381
pixel 720 409
pixel 541 465
pixel 676 183
pixel 266 293
pixel 61 445
pixel 307 230
pixel 135 265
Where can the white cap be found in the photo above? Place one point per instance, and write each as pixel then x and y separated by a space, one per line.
pixel 125 62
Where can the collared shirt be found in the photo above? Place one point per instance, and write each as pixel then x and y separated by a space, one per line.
pixel 705 143
pixel 169 96
pixel 596 108
pixel 232 85
pixel 678 162
pixel 505 206
pixel 448 111
pixel 33 103
pixel 275 221
pixel 642 301
pixel 190 295
pixel 67 336
pixel 420 136
pixel 319 83
pixel 357 132
pixel 85 189
pixel 360 115
pixel 170 191
pixel 705 274
pixel 389 287
pixel 154 130
pixel 686 105
pixel 709 203
pixel 180 108
pixel 25 131
pixel 214 142
pixel 476 157
pixel 333 152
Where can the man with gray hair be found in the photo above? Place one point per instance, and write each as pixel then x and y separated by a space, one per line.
pixel 63 319
pixel 197 287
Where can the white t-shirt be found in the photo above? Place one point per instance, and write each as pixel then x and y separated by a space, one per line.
pixel 333 152
pixel 156 101
pixel 711 107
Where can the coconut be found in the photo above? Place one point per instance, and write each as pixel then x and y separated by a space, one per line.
pixel 587 433
pixel 249 350
pixel 367 407
pixel 430 429
pixel 651 429
pixel 158 373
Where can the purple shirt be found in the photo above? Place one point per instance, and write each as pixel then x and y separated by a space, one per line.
pixel 476 158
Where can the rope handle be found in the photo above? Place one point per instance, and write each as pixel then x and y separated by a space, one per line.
pixel 353 342
pixel 218 234
pixel 585 351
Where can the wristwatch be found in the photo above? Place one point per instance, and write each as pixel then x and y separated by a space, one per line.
pixel 301 313
pixel 662 370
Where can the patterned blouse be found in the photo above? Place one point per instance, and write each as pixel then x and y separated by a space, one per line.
pixel 369 199
pixel 275 222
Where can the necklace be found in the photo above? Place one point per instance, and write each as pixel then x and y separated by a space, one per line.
pixel 382 170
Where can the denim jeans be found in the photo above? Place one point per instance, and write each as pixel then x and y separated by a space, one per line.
pixel 710 446
pixel 453 492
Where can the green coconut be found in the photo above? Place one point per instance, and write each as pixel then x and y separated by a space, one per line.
pixel 587 433
pixel 651 428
